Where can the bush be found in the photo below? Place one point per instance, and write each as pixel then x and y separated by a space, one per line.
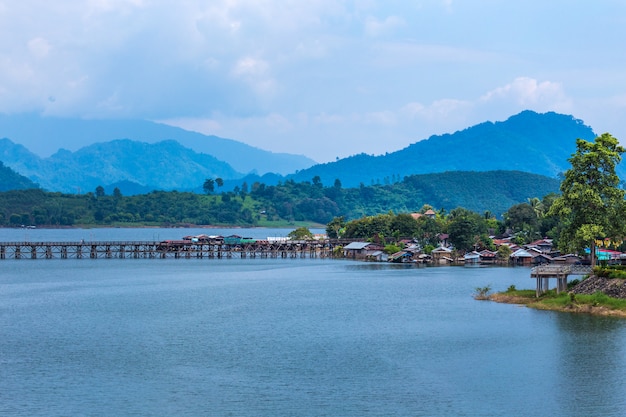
pixel 482 293
pixel 573 283
pixel 614 271
pixel 391 249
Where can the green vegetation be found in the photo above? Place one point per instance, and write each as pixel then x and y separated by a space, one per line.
pixel 37 207
pixel 598 303
pixel 482 293
pixel 301 233
pixel 306 204
pixel 613 271
pixel 566 300
pixel 466 230
pixel 591 204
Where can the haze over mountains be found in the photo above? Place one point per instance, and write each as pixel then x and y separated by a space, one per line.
pixel 141 156
pixel 46 135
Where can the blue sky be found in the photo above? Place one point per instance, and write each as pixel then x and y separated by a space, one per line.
pixel 323 78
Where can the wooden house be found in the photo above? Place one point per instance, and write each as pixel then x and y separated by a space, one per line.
pixel 361 250
pixel 442 255
pixel 521 257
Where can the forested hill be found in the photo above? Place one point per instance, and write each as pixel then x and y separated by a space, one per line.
pixel 11 180
pixel 494 191
pixel 529 142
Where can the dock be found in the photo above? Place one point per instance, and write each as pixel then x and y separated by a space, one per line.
pixel 543 273
pixel 167 249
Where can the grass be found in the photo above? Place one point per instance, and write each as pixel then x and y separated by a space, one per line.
pixel 598 303
pixel 482 293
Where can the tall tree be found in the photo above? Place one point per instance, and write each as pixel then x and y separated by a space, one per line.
pixel 591 205
pixel 208 186
pixel 334 227
pixel 465 228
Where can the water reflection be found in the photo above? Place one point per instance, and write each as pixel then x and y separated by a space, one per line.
pixel 591 353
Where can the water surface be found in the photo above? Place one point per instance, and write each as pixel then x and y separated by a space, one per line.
pixel 297 337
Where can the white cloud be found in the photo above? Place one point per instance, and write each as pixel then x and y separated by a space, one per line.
pixel 311 75
pixel 530 93
pixel 256 73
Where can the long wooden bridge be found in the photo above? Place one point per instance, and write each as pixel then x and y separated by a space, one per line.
pixel 166 249
pixel 543 273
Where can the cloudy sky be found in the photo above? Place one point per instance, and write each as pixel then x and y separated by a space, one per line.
pixel 323 78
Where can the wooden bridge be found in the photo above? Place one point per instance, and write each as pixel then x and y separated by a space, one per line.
pixel 543 273
pixel 173 249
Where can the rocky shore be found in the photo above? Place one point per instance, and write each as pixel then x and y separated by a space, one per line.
pixel 615 288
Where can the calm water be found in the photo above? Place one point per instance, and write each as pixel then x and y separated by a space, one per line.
pixel 296 337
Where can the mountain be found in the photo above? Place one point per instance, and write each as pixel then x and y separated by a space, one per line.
pixel 11 180
pixel 130 165
pixel 529 142
pixel 48 134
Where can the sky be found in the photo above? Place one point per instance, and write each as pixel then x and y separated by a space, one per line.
pixel 322 78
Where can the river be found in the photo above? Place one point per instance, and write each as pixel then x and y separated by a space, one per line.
pixel 289 337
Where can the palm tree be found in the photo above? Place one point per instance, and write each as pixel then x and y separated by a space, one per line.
pixel 537 206
pixel 208 186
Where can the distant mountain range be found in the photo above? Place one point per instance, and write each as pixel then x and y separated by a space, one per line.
pixel 529 142
pixel 50 133
pixel 165 165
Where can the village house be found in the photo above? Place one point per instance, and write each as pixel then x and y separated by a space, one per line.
pixel 442 255
pixel 362 250
pixel 521 257
pixel 543 245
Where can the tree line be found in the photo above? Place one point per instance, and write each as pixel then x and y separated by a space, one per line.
pixel 590 205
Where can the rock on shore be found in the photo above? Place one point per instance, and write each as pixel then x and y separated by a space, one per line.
pixel 615 288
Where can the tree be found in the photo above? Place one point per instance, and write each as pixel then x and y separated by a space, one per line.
pixel 301 233
pixel 521 219
pixel 208 186
pixel 537 206
pixel 428 231
pixel 333 229
pixel 219 182
pixel 99 191
pixel 405 225
pixel 591 205
pixel 464 228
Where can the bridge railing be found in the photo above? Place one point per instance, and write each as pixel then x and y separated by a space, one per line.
pixel 552 269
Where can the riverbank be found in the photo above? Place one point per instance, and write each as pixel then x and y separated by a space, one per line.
pixel 594 295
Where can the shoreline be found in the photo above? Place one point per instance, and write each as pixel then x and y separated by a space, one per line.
pixel 571 308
